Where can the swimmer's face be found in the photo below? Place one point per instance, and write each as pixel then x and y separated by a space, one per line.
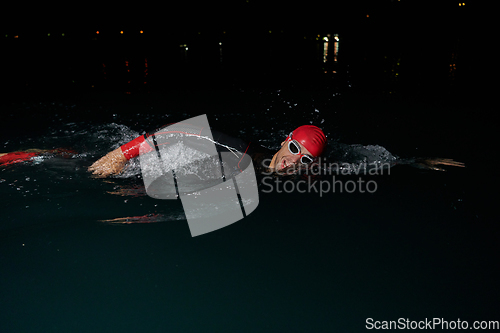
pixel 286 162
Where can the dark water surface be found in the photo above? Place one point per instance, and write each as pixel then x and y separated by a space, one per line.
pixel 83 254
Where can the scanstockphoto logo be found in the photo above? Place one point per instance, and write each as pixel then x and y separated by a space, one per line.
pixel 331 180
pixel 215 182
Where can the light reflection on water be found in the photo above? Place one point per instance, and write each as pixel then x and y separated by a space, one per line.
pixel 148 218
pixel 138 64
pixel 327 40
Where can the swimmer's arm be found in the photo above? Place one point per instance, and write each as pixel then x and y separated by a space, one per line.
pixel 110 164
pixel 113 162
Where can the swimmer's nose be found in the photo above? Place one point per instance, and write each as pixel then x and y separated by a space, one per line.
pixel 295 158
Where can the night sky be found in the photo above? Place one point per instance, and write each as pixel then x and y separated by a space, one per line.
pixel 239 15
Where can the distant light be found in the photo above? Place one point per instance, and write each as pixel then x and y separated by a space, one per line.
pixel 325 39
pixel 121 32
pixel 367 15
pixel 48 35
pixel 141 31
pixel 16 36
pixel 97 32
pixel 62 34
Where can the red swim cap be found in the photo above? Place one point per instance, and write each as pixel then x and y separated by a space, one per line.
pixel 311 137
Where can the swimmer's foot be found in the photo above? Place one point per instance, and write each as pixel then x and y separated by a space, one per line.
pixel 16 157
pixel 432 163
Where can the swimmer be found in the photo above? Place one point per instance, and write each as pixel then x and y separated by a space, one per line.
pixel 301 148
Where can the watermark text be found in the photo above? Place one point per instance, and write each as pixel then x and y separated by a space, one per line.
pixel 430 324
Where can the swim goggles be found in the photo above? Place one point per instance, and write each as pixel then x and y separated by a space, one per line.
pixel 294 148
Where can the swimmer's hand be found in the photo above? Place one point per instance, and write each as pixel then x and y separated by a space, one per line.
pixel 110 164
pixel 432 163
